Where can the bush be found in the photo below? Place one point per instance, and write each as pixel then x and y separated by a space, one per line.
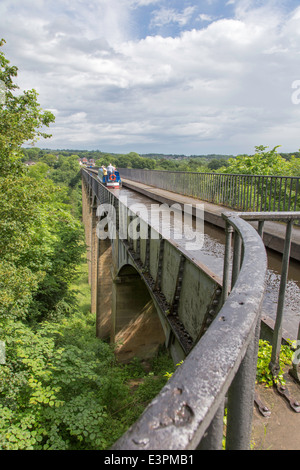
pixel 62 389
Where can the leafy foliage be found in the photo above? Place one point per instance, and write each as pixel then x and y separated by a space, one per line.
pixel 129 160
pixel 22 119
pixel 41 241
pixel 61 388
pixel 263 374
pixel 40 246
pixel 263 162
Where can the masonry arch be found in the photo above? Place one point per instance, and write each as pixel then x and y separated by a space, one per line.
pixel 136 325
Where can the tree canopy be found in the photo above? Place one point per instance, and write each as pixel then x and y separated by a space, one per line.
pixel 22 119
pixel 264 162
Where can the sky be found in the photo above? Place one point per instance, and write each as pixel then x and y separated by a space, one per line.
pixel 160 76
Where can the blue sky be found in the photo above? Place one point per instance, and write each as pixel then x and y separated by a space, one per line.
pixel 166 76
pixel 171 18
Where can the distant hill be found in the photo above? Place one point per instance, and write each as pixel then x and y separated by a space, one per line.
pixel 184 157
pixel 33 153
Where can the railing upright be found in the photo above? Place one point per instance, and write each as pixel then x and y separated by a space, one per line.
pixel 276 343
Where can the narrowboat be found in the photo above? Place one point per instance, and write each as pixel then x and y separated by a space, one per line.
pixel 112 180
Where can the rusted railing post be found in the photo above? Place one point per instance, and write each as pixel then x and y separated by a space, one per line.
pixel 213 436
pixel 241 399
pixel 227 258
pixel 277 335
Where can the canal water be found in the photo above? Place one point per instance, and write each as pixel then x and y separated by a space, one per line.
pixel 212 254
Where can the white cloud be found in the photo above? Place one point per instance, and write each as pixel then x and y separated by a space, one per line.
pixel 166 16
pixel 204 17
pixel 222 88
pixel 142 3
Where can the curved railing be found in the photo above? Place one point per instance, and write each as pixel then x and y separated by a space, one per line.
pixel 188 412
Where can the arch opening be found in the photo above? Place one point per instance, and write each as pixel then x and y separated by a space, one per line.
pixel 137 328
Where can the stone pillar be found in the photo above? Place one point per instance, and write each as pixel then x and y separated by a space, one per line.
pixel 104 290
pixel 88 238
pixel 86 211
pixel 94 242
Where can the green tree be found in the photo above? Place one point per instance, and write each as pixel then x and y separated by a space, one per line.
pixel 67 171
pixel 41 241
pixel 38 171
pixel 269 163
pixel 217 163
pixel 60 387
pixel 263 162
pixel 33 154
pixel 21 119
pixel 49 159
pixel 294 166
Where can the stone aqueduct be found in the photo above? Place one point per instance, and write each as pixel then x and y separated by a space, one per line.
pixel 145 292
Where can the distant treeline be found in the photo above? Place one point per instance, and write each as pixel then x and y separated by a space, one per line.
pixel 132 159
pixel 185 157
pixel 152 161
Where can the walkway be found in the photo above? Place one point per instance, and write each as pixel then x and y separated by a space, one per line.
pixel 280 431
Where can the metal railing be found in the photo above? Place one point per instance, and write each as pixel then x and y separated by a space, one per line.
pixel 188 413
pixel 242 192
pixel 289 218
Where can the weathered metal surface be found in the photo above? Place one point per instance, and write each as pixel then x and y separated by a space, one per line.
pixel 285 393
pixel 178 286
pixel 170 267
pixel 277 338
pixel 168 320
pixel 262 408
pixel 289 218
pixel 197 292
pixel 154 257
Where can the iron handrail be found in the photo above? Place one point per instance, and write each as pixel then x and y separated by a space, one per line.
pixel 188 412
pixel 289 218
pixel 208 173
